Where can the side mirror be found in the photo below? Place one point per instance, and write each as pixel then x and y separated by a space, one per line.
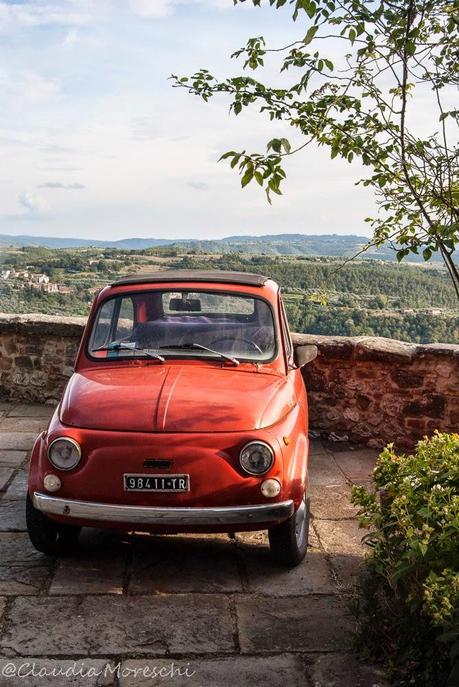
pixel 305 354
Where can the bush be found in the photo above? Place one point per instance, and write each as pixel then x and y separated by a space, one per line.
pixel 408 611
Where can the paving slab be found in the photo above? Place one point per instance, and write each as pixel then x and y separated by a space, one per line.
pixel 17 441
pixel 299 624
pixel 331 502
pixel 16 549
pixel 343 670
pixel 119 625
pixel 33 672
pixel 246 671
pixel 96 566
pixel 12 458
pixel 27 425
pixel 185 564
pixel 5 476
pixel 23 580
pixel 263 576
pixel 31 410
pixel 18 486
pixel 12 516
pixel 256 539
pixel 89 574
pixel 341 537
pixel 342 541
pixel 357 465
pixel 323 468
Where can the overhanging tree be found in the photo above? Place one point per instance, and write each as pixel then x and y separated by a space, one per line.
pixel 395 57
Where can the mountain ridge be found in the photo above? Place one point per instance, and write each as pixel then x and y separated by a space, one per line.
pixel 308 245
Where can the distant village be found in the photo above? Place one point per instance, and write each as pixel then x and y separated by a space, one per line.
pixel 27 279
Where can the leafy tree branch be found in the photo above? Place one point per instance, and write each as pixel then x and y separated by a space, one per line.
pixel 360 106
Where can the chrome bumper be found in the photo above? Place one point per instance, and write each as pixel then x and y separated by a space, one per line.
pixel 151 515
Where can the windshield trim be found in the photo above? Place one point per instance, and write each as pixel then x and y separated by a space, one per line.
pixel 181 355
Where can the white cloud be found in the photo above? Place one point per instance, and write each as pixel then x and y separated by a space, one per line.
pixel 41 14
pixel 27 85
pixel 60 185
pixel 71 38
pixel 161 8
pixel 198 185
pixel 32 202
pixel 152 8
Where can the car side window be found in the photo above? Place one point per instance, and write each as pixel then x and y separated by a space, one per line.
pixel 101 332
pixel 286 333
pixel 125 322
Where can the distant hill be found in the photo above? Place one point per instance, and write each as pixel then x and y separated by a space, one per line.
pixel 337 245
pixel 56 242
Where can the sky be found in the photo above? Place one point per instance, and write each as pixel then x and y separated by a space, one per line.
pixel 95 143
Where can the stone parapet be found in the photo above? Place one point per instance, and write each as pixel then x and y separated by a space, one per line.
pixel 365 389
pixel 37 353
pixel 372 390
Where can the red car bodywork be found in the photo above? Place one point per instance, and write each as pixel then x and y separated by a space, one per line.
pixel 197 413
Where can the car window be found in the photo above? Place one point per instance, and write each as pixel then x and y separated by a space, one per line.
pixel 210 303
pixel 101 331
pixel 286 332
pixel 171 321
pixel 125 320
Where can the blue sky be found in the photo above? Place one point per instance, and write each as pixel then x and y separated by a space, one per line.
pixel 95 143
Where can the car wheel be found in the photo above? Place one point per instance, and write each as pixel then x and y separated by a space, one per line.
pixel 47 536
pixel 289 540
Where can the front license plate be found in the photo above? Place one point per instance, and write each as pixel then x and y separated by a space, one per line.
pixel 156 482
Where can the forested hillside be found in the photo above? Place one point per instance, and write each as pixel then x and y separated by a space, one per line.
pixel 406 302
pixel 376 299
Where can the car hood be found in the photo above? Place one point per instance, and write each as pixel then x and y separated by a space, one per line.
pixel 175 398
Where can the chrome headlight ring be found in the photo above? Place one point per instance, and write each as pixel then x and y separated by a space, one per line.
pixel 64 453
pixel 256 458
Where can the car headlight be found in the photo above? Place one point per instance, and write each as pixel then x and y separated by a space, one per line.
pixel 64 454
pixel 256 457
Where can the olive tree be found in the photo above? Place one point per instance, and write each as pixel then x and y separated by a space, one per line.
pixel 355 82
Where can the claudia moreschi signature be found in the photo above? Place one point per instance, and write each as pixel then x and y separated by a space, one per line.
pixel 28 669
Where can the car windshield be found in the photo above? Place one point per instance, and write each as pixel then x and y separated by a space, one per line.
pixel 180 323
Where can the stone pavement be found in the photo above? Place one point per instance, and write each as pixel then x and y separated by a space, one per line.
pixel 211 609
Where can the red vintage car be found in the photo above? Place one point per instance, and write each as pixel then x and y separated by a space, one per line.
pixel 187 412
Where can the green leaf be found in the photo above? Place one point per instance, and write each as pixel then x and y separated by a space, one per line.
pixel 310 8
pixel 286 145
pixel 230 153
pixel 310 34
pixel 410 48
pixel 247 178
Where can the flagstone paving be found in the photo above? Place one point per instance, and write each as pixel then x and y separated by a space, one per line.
pixel 197 610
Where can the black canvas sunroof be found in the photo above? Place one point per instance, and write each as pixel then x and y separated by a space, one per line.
pixel 216 276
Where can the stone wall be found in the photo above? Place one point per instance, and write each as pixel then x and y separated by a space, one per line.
pixel 372 390
pixel 363 389
pixel 37 353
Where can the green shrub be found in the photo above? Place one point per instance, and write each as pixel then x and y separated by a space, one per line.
pixel 408 610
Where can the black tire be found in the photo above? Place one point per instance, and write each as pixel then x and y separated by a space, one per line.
pixel 289 540
pixel 47 536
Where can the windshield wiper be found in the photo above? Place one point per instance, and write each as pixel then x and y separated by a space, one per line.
pixel 191 346
pixel 130 346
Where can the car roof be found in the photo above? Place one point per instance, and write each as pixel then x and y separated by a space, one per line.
pixel 216 276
